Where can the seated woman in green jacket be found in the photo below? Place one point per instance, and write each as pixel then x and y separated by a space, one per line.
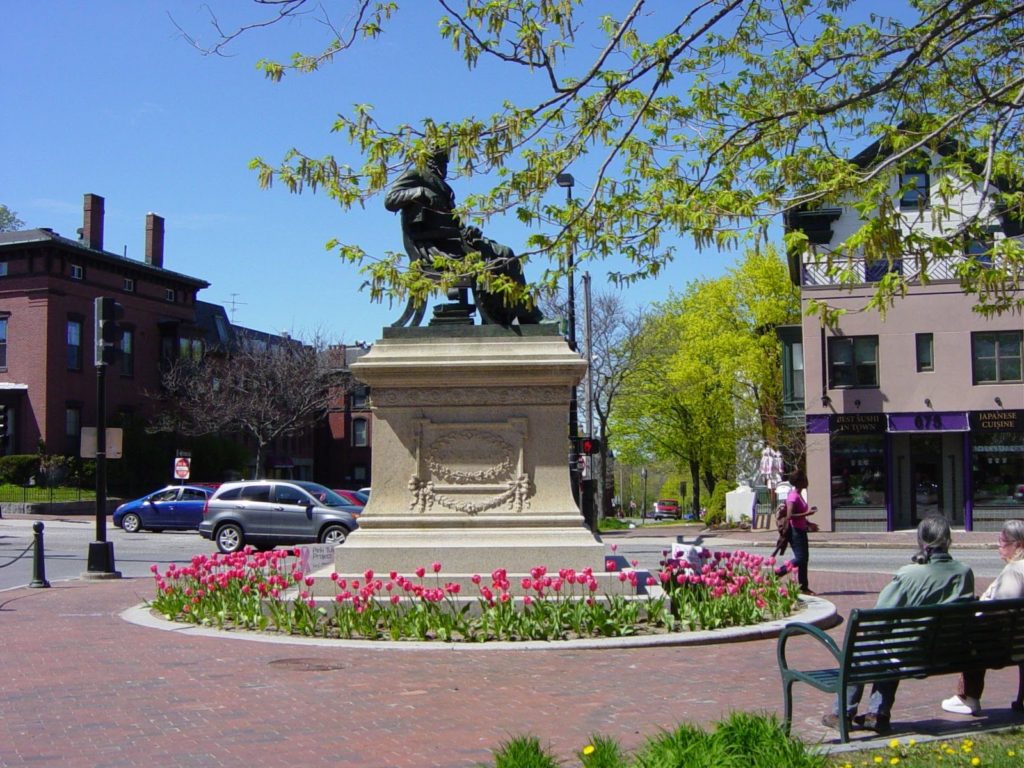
pixel 934 577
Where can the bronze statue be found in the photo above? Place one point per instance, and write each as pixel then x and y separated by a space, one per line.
pixel 427 205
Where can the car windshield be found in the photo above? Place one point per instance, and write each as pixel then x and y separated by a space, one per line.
pixel 322 494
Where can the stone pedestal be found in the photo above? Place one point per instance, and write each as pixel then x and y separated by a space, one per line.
pixel 470 454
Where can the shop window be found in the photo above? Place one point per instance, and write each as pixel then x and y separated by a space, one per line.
pixel 996 357
pixel 997 463
pixel 858 471
pixel 925 352
pixel 360 433
pixel 852 361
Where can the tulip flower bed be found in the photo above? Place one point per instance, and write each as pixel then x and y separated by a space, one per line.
pixel 265 591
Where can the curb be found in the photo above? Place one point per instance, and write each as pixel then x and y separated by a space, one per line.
pixel 816 611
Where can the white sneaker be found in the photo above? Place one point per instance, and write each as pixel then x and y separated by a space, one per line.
pixel 962 705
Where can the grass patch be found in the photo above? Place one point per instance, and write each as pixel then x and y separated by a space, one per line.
pixel 1003 749
pixel 754 740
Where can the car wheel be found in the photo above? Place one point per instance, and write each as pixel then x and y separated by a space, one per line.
pixel 131 523
pixel 230 538
pixel 333 534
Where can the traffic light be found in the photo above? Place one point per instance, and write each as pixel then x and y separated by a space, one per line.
pixel 589 446
pixel 107 335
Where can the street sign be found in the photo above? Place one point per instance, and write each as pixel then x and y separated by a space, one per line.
pixel 182 468
pixel 87 448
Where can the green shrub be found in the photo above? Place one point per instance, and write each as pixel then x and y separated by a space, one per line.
pixel 18 469
pixel 714 517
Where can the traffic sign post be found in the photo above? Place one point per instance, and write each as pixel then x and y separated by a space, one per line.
pixel 182 468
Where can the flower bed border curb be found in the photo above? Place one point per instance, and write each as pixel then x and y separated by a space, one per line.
pixel 816 611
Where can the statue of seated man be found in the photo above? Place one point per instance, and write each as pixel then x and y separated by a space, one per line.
pixel 427 205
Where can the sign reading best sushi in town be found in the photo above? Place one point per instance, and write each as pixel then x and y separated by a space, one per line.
pixel 857 423
pixel 997 421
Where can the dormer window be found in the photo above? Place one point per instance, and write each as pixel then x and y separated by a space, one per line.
pixel 170 294
pixel 914 191
pixel 77 273
pixel 129 285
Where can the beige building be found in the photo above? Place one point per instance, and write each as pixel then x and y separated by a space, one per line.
pixel 917 413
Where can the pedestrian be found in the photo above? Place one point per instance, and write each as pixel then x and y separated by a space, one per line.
pixel 934 577
pixel 797 513
pixel 1009 584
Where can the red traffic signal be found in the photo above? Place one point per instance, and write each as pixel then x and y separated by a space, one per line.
pixel 590 445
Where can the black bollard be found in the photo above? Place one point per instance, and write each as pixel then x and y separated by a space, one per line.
pixel 38 559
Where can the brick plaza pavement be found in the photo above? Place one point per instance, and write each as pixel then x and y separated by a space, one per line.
pixel 79 686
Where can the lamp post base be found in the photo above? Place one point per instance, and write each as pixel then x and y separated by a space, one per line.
pixel 101 561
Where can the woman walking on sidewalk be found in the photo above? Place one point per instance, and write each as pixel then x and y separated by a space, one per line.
pixel 1009 584
pixel 797 513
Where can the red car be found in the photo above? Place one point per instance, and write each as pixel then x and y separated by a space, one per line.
pixel 352 497
pixel 666 508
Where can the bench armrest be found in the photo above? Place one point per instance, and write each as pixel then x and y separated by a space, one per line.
pixel 799 628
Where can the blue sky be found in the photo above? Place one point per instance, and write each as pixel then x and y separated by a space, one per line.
pixel 106 97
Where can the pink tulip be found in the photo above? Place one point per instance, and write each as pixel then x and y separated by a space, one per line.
pixel 436 567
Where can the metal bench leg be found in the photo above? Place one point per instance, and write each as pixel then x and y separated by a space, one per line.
pixel 787 707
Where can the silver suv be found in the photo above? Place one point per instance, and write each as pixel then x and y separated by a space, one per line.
pixel 270 512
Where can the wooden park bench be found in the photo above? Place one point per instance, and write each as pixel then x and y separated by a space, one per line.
pixel 904 643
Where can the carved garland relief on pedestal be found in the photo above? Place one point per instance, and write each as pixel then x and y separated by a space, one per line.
pixel 470 468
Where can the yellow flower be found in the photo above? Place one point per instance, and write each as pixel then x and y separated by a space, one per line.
pixel 912 742
pixel 975 761
pixel 1010 753
pixel 878 759
pixel 588 750
pixel 894 761
pixel 894 743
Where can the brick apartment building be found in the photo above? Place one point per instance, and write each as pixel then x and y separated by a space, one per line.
pixel 48 284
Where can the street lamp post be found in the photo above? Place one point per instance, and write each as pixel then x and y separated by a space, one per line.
pixel 567 181
pixel 643 509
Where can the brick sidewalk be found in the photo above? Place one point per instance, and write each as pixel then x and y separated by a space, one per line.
pixel 82 687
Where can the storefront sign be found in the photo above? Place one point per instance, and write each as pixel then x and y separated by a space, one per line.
pixel 928 421
pixel 856 423
pixel 997 421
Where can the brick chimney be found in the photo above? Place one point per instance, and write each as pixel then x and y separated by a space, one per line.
pixel 155 240
pixel 92 229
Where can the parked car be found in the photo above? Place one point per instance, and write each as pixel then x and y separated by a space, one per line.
pixel 276 512
pixel 176 507
pixel 666 509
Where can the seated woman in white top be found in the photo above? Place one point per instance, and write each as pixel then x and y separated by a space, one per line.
pixel 1007 586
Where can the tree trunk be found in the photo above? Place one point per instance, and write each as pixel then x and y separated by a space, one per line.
pixel 695 480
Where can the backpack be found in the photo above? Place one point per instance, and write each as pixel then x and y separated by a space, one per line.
pixel 781 521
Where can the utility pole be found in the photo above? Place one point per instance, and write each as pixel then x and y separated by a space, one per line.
pixel 101 552
pixel 567 181
pixel 587 491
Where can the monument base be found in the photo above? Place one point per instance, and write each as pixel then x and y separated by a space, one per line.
pixel 470 447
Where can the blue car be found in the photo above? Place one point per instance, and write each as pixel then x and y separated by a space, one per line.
pixel 176 507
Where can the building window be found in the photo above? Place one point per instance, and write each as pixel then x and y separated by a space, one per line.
pixel 359 472
pixel 77 272
pixel 74 345
pixel 981 249
pixel 190 349
pixel 360 433
pixel 998 465
pixel 127 352
pixel 925 352
pixel 3 343
pixel 853 361
pixel 359 397
pixel 170 294
pixel 129 285
pixel 3 269
pixel 996 357
pixel 73 427
pixel 876 269
pixel 914 190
